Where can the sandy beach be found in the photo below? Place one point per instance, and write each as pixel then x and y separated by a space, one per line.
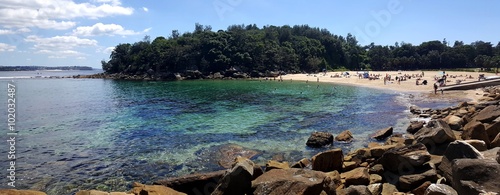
pixel 406 86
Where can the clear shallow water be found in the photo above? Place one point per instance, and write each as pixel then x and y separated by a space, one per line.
pixel 105 134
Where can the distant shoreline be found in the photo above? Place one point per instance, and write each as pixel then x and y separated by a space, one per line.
pixel 35 68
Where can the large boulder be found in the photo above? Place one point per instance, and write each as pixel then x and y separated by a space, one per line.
pixel 344 136
pixel 142 189
pixel 272 164
pixel 488 114
pixel 398 160
pixel 355 190
pixel 412 181
pixel 480 145
pixel 96 192
pixel 420 190
pixel 332 182
pixel 320 139
pixel 194 183
pixel 493 129
pixel 388 189
pixel 357 176
pixel 475 130
pixel 475 176
pixel 378 151
pixel 436 132
pixel 289 181
pixel 440 189
pixel 331 160
pixel 238 180
pixel 457 150
pixel 383 133
pixel 454 122
pixel 415 126
pixel 495 142
pixel 301 163
pixel 375 189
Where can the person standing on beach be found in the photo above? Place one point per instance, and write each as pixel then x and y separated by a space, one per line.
pixel 435 88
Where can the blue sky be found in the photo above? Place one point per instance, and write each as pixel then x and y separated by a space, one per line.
pixel 84 32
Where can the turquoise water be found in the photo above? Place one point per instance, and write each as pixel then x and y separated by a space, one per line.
pixel 104 134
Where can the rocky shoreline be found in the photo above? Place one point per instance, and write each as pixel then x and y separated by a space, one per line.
pixel 187 75
pixel 456 152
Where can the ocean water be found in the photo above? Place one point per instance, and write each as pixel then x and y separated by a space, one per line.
pixel 105 134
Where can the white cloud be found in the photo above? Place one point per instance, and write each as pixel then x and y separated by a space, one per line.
pixel 103 29
pixel 81 58
pixel 145 9
pixel 108 50
pixel 56 14
pixel 6 32
pixel 6 47
pixel 112 2
pixel 59 46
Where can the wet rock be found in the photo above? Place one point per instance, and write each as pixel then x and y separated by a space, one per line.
pixel 320 139
pixel 20 192
pixel 480 145
pixel 440 189
pixel 225 154
pixel 289 181
pixel 238 180
pixel 302 163
pixel 153 190
pixel 408 156
pixel 355 190
pixel 395 140
pixel 327 161
pixel 358 176
pixel 344 136
pixel 488 114
pixel 409 182
pixel 415 126
pixel 457 150
pixel 195 183
pixel 454 122
pixel 436 132
pixel 475 176
pixel 498 156
pixel 382 133
pixel 415 109
pixel 272 164
pixel 475 130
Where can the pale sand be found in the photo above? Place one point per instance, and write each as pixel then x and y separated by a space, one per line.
pixel 408 86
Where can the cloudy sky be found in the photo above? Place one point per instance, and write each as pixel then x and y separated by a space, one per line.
pixel 84 32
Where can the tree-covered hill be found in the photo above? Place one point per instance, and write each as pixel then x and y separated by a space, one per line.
pixel 291 49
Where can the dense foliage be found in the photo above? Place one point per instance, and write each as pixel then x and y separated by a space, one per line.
pixel 291 49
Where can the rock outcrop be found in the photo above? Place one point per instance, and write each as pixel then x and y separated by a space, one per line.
pixel 344 136
pixel 331 160
pixel 320 139
pixel 289 181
